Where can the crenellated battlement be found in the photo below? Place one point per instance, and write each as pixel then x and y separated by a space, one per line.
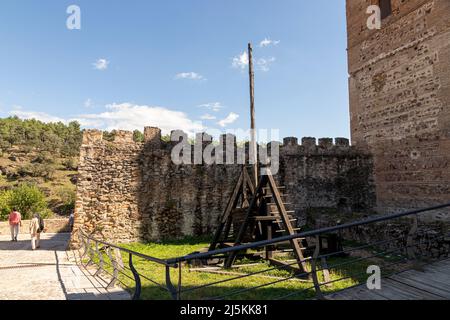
pixel 153 140
pixel 92 137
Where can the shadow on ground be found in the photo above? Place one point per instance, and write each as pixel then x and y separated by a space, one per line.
pixel 51 242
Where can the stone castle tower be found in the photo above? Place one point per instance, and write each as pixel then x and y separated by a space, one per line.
pixel 400 98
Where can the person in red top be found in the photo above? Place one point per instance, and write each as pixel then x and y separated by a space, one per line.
pixel 15 221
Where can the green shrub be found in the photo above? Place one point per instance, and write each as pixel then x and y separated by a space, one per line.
pixel 44 157
pixel 109 136
pixel 67 196
pixel 5 209
pixel 138 136
pixel 46 213
pixel 27 199
pixel 37 170
pixel 166 138
pixel 70 164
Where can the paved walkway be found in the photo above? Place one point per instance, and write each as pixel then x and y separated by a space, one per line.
pixel 49 273
pixel 431 283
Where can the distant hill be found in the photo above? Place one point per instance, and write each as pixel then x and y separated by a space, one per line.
pixel 42 154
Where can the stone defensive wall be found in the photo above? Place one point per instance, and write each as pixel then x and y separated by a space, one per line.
pixel 129 191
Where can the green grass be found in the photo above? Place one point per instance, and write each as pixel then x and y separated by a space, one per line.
pixel 353 274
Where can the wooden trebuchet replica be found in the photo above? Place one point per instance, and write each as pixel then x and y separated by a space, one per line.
pixel 254 215
pixel 255 210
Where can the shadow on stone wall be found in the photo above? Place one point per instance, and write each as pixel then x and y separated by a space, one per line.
pixel 129 191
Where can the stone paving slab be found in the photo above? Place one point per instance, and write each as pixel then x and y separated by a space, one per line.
pixel 49 273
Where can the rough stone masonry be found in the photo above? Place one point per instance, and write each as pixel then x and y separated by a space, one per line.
pixel 400 100
pixel 130 191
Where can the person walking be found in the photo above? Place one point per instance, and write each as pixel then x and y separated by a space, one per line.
pixel 15 222
pixel 71 220
pixel 35 231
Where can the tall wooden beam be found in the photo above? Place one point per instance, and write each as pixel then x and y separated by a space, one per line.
pixel 253 146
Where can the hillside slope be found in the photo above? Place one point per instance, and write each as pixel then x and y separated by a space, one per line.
pixel 43 155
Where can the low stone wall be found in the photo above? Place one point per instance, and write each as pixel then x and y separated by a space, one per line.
pixel 51 226
pixel 431 236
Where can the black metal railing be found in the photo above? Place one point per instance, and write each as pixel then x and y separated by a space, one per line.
pixel 398 241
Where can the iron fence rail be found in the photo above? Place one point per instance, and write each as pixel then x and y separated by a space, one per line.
pixel 305 234
pixel 100 253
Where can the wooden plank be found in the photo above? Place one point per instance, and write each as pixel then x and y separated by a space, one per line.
pixel 408 292
pixel 437 277
pixel 279 187
pixel 355 293
pixel 281 221
pixel 293 230
pixel 265 218
pixel 389 291
pixel 288 212
pixel 443 263
pixel 274 204
pixel 285 217
pixel 432 284
pixel 414 292
pixel 425 283
pixel 439 267
pixel 271 196
pixel 249 182
pixel 253 142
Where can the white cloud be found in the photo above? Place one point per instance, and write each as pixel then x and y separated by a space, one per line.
pixel 88 103
pixel 101 64
pixel 207 116
pixel 268 42
pixel 41 116
pixel 231 118
pixel 213 106
pixel 127 116
pixel 241 61
pixel 189 76
pixel 264 64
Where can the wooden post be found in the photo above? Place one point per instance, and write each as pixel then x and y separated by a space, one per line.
pixel 253 145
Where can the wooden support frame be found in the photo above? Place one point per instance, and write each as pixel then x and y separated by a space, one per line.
pixel 243 186
pixel 259 220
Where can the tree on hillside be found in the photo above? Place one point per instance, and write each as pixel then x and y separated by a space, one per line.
pixel 27 199
pixel 58 138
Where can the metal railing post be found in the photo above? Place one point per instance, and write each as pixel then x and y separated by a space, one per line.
pixel 89 253
pixel 137 278
pixel 410 248
pixel 100 258
pixel 179 281
pixel 83 241
pixel 115 269
pixel 172 290
pixel 315 278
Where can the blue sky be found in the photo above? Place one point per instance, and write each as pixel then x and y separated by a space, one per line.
pixel 177 64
